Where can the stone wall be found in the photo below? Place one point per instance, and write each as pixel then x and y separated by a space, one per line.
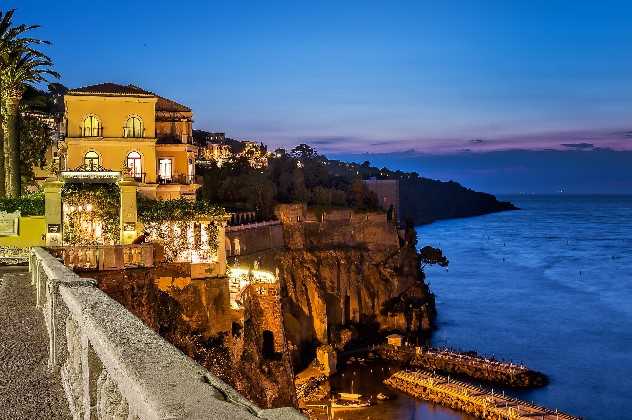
pixel 253 238
pixel 114 367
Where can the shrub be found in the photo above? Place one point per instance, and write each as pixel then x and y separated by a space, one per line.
pixel 28 205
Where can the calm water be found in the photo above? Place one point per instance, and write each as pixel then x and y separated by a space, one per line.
pixel 550 285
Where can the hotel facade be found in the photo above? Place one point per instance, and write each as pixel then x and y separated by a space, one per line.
pixel 113 127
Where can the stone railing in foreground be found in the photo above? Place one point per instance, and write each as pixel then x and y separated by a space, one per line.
pixel 105 257
pixel 114 367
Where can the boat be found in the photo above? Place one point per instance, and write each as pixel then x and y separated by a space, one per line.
pixel 348 401
pixel 384 397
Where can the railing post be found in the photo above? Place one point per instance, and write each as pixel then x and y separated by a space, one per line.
pixel 52 325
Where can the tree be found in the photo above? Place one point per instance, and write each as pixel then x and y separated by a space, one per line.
pixel 22 68
pixel 20 65
pixel 432 256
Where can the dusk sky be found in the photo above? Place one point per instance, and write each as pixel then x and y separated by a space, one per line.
pixel 457 79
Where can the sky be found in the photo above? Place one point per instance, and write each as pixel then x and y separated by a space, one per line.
pixel 454 84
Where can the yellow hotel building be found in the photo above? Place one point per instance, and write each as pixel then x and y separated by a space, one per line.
pixel 125 128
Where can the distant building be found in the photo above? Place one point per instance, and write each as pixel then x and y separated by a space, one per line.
pixel 387 191
pixel 395 340
pixel 255 152
pixel 216 138
pixel 219 153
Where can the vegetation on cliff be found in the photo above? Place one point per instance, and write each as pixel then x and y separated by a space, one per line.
pixel 302 175
pixel 298 176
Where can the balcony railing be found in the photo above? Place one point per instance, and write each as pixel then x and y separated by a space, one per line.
pixel 177 179
pixel 135 134
pixel 91 131
pixel 139 177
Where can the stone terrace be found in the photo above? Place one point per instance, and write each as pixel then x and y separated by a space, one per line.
pixel 27 389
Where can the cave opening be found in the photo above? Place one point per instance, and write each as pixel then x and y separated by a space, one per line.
pixel 268 344
pixel 347 309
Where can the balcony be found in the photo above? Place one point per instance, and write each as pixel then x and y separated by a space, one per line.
pixel 139 177
pixel 177 179
pixel 132 133
pixel 91 131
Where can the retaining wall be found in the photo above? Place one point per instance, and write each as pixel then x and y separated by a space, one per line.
pixel 31 231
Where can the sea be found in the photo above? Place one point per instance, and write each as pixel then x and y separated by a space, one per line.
pixel 549 285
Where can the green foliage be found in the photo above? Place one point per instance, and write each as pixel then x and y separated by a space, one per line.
pixel 432 256
pixel 300 176
pixel 104 203
pixel 176 210
pixel 35 138
pixel 167 221
pixel 28 205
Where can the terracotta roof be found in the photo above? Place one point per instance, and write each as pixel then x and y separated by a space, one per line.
pixel 112 89
pixel 167 105
pixel 163 104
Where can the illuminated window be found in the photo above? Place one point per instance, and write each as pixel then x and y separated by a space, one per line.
pixel 91 126
pixel 165 169
pixel 191 169
pixel 133 127
pixel 91 161
pixel 133 163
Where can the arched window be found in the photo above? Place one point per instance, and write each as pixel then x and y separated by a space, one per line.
pixel 91 126
pixel 133 127
pixel 91 160
pixel 133 163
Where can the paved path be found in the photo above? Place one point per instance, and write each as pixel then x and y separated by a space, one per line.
pixel 27 390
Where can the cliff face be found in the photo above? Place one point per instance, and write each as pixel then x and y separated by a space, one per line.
pixel 336 275
pixel 195 316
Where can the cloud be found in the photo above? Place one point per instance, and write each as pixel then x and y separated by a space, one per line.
pixel 579 146
pixel 324 141
pixel 477 141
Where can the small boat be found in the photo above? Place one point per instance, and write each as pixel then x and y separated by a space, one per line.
pixel 348 400
pixel 384 397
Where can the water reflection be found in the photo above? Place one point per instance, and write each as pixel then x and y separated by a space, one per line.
pixel 367 379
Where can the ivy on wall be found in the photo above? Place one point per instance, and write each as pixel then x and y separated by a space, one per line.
pixel 28 205
pixel 187 229
pixel 91 213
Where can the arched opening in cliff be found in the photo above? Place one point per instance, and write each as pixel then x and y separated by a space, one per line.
pixel 347 308
pixel 334 313
pixel 268 344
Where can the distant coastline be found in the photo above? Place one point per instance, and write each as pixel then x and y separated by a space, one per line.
pixel 424 201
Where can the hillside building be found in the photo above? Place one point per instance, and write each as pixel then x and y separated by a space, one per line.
pixel 387 191
pixel 125 128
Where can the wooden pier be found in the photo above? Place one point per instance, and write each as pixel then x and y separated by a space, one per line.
pixel 469 398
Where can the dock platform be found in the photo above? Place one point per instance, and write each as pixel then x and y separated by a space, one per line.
pixel 469 398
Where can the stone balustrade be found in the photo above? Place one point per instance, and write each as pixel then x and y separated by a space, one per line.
pixel 114 367
pixel 114 257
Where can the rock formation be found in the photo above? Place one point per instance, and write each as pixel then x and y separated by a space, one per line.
pixel 336 274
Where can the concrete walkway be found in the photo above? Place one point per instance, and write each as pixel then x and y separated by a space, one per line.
pixel 27 390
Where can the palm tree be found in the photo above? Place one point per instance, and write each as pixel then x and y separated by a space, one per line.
pixel 20 65
pixel 22 68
